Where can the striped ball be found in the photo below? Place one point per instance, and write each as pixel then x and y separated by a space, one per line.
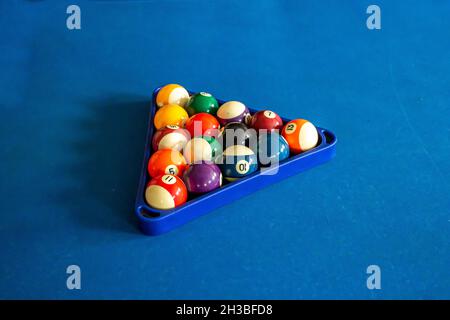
pixel 301 135
pixel 233 111
pixel 237 161
pixel 172 94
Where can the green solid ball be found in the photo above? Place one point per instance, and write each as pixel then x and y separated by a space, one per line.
pixel 202 102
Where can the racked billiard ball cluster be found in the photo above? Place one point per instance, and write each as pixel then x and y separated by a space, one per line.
pixel 198 143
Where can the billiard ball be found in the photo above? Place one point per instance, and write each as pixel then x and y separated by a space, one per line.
pixel 301 135
pixel 166 161
pixel 267 120
pixel 238 133
pixel 172 94
pixel 237 161
pixel 170 137
pixel 202 102
pixel 272 149
pixel 170 114
pixel 166 192
pixel 202 177
pixel 203 124
pixel 202 149
pixel 233 111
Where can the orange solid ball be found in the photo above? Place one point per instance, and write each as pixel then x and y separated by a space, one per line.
pixel 301 135
pixel 166 161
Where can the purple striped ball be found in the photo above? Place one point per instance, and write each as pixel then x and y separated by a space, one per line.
pixel 233 111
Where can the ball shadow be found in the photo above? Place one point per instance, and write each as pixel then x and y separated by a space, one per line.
pixel 109 159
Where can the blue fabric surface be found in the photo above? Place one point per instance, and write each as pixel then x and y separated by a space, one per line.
pixel 74 110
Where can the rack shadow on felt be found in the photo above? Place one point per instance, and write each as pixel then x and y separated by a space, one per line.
pixel 109 158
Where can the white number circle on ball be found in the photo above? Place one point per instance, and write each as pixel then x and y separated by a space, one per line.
pixel 242 166
pixel 168 179
pixel 290 128
pixel 171 169
pixel 269 114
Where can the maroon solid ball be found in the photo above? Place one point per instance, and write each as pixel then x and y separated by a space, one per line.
pixel 266 119
pixel 202 177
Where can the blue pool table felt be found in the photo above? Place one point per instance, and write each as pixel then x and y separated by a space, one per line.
pixel 74 107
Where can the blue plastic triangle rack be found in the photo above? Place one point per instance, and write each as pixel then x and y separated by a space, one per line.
pixel 154 222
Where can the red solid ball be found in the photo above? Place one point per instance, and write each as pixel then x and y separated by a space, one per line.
pixel 266 119
pixel 203 124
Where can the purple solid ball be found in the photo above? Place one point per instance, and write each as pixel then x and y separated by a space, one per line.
pixel 233 111
pixel 202 177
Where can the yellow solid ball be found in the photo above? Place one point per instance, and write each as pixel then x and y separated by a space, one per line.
pixel 170 114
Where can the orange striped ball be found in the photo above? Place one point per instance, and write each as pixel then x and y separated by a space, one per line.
pixel 301 135
pixel 172 94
